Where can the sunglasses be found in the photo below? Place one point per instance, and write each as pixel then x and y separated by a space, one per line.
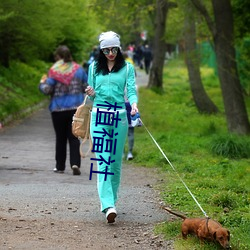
pixel 106 51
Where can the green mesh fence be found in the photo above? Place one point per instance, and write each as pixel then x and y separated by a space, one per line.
pixel 207 55
pixel 208 58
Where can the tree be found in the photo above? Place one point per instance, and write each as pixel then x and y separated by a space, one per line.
pixel 126 17
pixel 28 33
pixel 241 17
pixel 242 33
pixel 201 99
pixel 223 38
pixel 159 46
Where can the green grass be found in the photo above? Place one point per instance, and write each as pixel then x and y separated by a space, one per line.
pixel 214 164
pixel 19 88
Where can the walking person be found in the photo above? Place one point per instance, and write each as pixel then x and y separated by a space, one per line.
pixel 147 54
pixel 108 78
pixel 130 133
pixel 65 84
pixel 131 129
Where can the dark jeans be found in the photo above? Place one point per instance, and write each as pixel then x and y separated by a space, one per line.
pixel 147 65
pixel 62 122
pixel 131 139
pixel 130 129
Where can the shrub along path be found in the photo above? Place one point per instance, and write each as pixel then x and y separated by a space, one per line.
pixel 40 209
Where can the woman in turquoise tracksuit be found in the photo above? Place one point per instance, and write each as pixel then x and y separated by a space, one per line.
pixel 108 77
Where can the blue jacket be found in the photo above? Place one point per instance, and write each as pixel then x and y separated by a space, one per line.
pixel 65 97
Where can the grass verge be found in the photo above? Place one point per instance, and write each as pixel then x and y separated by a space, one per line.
pixel 214 164
pixel 19 89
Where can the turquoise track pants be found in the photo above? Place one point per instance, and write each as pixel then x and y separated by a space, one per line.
pixel 108 189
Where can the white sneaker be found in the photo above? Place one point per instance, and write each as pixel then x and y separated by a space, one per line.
pixel 58 171
pixel 129 156
pixel 111 214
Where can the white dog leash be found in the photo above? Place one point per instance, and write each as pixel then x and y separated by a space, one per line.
pixel 174 170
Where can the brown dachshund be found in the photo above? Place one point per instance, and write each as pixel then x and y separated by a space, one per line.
pixel 204 229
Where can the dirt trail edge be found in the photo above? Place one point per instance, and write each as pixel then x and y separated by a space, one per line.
pixel 40 209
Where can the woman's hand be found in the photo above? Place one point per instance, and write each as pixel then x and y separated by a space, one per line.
pixel 90 91
pixel 43 79
pixel 134 109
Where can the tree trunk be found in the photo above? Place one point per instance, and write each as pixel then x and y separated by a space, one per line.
pixel 235 109
pixel 223 38
pixel 159 47
pixel 201 99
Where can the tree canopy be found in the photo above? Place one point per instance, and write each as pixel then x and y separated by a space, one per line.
pixel 27 32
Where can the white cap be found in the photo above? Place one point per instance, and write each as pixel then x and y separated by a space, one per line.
pixel 109 39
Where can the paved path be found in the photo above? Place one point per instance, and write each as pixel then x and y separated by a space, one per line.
pixel 141 78
pixel 26 163
pixel 31 191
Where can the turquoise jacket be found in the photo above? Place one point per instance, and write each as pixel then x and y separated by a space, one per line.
pixel 111 87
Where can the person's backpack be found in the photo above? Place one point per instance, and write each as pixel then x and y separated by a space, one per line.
pixel 81 125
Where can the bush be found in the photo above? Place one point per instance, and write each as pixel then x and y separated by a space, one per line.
pixel 231 146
